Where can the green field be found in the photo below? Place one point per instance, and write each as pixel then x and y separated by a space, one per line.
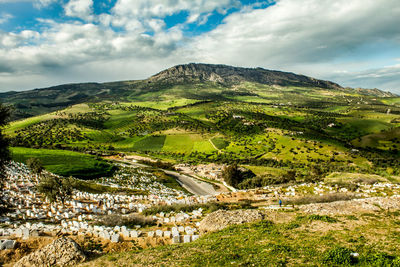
pixel 65 163
pixel 150 143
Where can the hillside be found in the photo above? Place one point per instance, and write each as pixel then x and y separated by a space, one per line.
pixel 280 133
pixel 191 81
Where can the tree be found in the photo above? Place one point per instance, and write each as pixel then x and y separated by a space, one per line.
pixel 232 175
pixel 55 188
pixel 4 150
pixel 35 165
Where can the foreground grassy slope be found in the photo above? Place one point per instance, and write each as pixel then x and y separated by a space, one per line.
pixel 298 240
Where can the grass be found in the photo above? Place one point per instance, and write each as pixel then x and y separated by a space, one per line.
pixel 276 244
pixel 95 188
pixel 65 163
pixel 203 146
pixel 181 143
pixel 220 143
pixel 150 143
pixel 338 177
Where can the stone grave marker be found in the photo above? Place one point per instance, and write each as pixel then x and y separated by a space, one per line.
pixel 115 238
pixel 186 239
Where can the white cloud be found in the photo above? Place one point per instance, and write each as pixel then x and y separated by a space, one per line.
pixel 126 10
pixel 294 31
pixel 43 3
pixel 384 78
pixel 5 17
pixel 313 37
pixel 80 9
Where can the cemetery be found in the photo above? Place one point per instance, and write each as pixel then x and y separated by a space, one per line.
pixel 33 216
pixel 124 220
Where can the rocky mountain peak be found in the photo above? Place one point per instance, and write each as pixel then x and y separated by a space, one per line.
pixel 229 75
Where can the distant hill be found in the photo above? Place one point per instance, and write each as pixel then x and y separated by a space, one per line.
pixel 191 81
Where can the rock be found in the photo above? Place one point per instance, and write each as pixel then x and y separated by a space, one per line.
pixel 7 244
pixel 176 239
pixel 61 252
pixel 221 219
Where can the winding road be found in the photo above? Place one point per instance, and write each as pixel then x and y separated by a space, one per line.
pixel 193 185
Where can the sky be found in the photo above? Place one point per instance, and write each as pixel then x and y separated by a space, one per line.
pixel 44 43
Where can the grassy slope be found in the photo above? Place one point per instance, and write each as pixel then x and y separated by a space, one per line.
pixel 63 162
pixel 374 236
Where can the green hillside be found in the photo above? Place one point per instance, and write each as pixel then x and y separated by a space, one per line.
pixel 256 118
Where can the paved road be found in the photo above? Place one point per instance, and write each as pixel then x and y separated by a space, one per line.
pixel 193 185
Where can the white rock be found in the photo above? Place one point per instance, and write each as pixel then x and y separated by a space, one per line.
pixel 134 234
pixel 186 239
pixel 159 233
pixel 167 234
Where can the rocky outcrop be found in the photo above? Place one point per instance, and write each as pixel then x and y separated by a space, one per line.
pixel 61 252
pixel 229 75
pixel 221 219
pixel 348 207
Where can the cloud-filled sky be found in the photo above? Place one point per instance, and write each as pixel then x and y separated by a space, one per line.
pixel 48 42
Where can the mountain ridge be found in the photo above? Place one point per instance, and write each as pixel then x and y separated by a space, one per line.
pixel 229 75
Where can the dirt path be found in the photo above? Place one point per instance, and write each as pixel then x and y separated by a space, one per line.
pixel 209 140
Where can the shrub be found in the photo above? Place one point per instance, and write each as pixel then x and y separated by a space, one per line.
pixel 126 220
pixel 339 256
pixel 381 259
pixel 319 199
pixel 35 165
pixel 323 218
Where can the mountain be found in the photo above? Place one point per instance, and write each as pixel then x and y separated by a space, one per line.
pixel 229 75
pixel 191 81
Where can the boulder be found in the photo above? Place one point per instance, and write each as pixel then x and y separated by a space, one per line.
pixel 221 219
pixel 61 252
